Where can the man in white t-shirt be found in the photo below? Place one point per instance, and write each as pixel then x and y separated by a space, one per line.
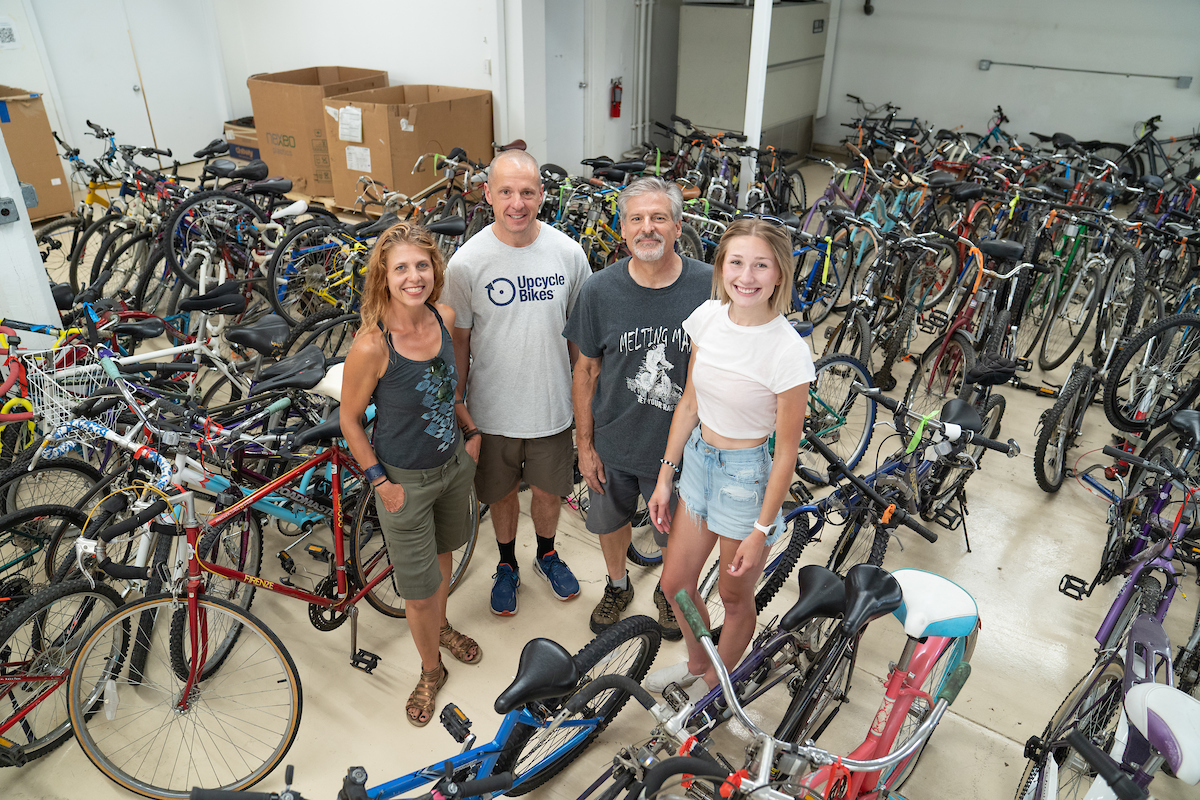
pixel 512 287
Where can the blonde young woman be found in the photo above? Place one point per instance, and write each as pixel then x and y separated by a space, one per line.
pixel 403 361
pixel 748 377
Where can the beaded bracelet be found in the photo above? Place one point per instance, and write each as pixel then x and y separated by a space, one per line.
pixel 670 464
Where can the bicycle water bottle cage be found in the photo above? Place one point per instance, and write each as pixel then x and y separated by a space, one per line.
pixel 822 594
pixel 871 592
pixel 991 370
pixel 546 671
pixel 266 335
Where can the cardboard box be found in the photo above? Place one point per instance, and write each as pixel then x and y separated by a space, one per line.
pixel 289 119
pixel 242 138
pixel 382 133
pixel 33 151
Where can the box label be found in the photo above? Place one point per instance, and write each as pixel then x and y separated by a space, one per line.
pixel 358 159
pixel 350 124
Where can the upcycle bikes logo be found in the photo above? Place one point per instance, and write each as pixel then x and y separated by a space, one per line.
pixel 501 291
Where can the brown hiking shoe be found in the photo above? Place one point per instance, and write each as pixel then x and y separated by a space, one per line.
pixel 666 616
pixel 608 610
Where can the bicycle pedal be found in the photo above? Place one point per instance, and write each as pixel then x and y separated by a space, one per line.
pixel 934 322
pixel 1075 588
pixel 287 562
pixel 455 722
pixel 1034 747
pixel 318 552
pixel 364 660
pixel 1024 365
pixel 949 519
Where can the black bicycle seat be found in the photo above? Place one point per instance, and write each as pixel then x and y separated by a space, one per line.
pixel 325 431
pixel 256 170
pixel 871 592
pixel 959 412
pixel 1002 249
pixel 991 370
pixel 301 371
pixel 269 186
pixel 142 328
pixel 448 226
pixel 546 670
pixel 1187 424
pixel 822 594
pixel 266 335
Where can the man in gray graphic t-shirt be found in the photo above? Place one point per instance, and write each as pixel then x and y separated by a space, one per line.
pixel 632 367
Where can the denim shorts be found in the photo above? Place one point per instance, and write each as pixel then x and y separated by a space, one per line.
pixel 725 488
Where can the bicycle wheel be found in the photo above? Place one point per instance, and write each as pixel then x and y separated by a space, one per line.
pixel 315 267
pixel 1071 318
pixel 54 245
pixel 455 206
pixel 85 248
pixel 643 549
pixel 1123 297
pixel 127 261
pixel 155 283
pixel 1144 598
pixel 939 375
pixel 234 727
pixel 368 554
pixel 782 559
pixel 1093 708
pixel 532 754
pixel 862 541
pixel 840 417
pixel 951 656
pixel 38 642
pixel 850 337
pixel 690 243
pixel 331 329
pixel 116 237
pixel 814 705
pixel 224 223
pixel 817 293
pixel 48 531
pixel 1058 428
pixel 1038 308
pixel 62 481
pixel 896 338
pixel 1155 375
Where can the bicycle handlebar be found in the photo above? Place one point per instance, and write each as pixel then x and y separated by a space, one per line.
pixel 898 514
pixel 62 434
pixel 1160 469
pixel 953 433
pixel 1121 784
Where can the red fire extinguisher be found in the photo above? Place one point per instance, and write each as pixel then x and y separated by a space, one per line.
pixel 614 106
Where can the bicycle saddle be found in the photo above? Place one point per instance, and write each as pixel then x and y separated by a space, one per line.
pixel 609 174
pixel 1041 137
pixel 326 431
pixel 221 167
pixel 822 594
pixel 941 180
pixel 266 335
pixel 365 230
pixel 214 148
pixel 959 412
pixel 629 166
pixel 839 214
pixel 602 161
pixel 301 371
pixel 256 170
pixel 546 670
pixel 967 191
pixel 1170 721
pixel 1187 424
pixel 64 296
pixel 553 172
pixel 1061 183
pixel 269 186
pixel 456 154
pixel 871 592
pixel 724 208
pixel 448 226
pixel 803 327
pixel 1152 182
pixel 225 299
pixel 991 370
pixel 1182 231
pixel 142 328
pixel 690 192
pixel 515 144
pixel 934 606
pixel 1061 140
pixel 1002 249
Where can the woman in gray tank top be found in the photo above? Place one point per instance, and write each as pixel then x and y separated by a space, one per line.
pixel 403 362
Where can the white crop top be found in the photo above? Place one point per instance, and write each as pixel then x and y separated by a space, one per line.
pixel 739 370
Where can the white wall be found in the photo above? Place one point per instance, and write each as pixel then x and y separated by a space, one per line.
pixel 923 55
pixel 22 66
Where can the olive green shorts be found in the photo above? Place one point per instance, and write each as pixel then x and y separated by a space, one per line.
pixel 437 517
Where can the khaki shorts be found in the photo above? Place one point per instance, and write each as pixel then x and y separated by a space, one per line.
pixel 547 463
pixel 434 519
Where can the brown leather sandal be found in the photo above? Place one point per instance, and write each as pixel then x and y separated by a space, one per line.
pixel 422 698
pixel 461 646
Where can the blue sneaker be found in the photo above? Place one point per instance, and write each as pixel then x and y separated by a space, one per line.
pixel 555 572
pixel 504 590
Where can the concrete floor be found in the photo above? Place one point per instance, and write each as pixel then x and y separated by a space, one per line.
pixel 1034 645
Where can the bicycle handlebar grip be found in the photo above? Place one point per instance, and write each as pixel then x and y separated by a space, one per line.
pixel 279 405
pixel 137 520
pixel 660 773
pixel 580 699
pixel 225 794
pixel 691 616
pixel 125 572
pixel 1121 784
pixel 1120 454
pixel 111 368
pixel 1009 448
pixel 955 683
pixel 492 784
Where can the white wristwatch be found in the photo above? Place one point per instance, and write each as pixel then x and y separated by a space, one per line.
pixel 767 529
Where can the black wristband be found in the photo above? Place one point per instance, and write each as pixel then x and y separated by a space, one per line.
pixel 467 434
pixel 374 472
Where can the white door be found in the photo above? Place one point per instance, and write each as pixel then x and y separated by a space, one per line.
pixel 566 79
pixel 113 58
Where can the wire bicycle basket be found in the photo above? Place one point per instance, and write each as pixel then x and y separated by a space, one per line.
pixel 61 378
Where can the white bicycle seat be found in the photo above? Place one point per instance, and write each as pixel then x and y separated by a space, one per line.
pixel 1170 720
pixel 934 606
pixel 331 385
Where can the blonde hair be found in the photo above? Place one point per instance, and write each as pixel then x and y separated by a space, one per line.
pixel 780 243
pixel 375 292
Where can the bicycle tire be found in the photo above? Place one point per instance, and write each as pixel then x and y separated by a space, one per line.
pixel 481 217
pixel 1187 665
pixel 368 553
pixel 643 550
pixel 1058 431
pixel 14 440
pixel 855 545
pixel 455 206
pixel 627 648
pixel 238 545
pixel 1164 359
pixel 805 716
pixel 1144 599
pixel 63 481
pixel 690 243
pixel 818 302
pixel 841 417
pixel 1098 696
pixel 116 237
pixel 88 241
pixel 126 262
pixel 851 337
pixel 220 217
pixel 36 637
pixel 146 622
pixel 1124 294
pixel 937 380
pixel 896 339
pixel 997 333
pixel 254 705
pixel 155 283
pixel 1071 319
pixel 782 559
pixel 893 779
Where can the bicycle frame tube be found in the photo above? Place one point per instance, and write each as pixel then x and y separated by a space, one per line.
pixel 1161 562
pixel 485 756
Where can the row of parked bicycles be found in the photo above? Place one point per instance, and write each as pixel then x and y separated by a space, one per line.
pixel 934 256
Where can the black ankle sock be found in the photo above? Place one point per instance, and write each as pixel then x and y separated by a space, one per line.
pixel 508 553
pixel 544 546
